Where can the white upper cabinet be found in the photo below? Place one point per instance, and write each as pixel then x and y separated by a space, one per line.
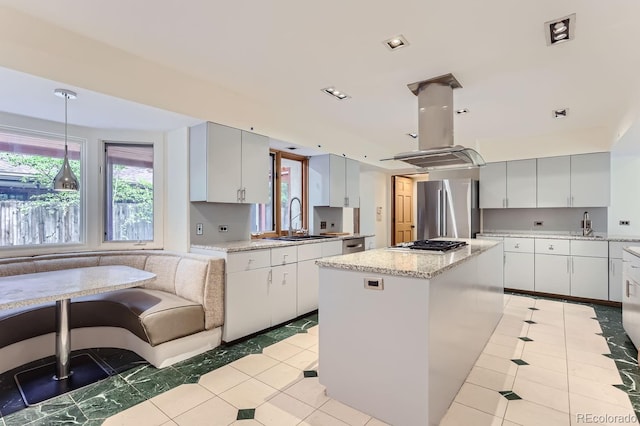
pixel 590 180
pixel 228 165
pixel 574 181
pixel 334 181
pixel 554 182
pixel 510 184
pixel 493 186
pixel 255 168
pixel 521 183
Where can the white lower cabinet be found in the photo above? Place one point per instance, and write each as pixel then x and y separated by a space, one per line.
pixel 267 287
pixel 590 277
pixel 308 284
pixel 246 310
pixel 282 293
pixel 552 274
pixel 615 280
pixel 519 271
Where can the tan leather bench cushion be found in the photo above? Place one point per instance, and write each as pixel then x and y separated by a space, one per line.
pixel 152 315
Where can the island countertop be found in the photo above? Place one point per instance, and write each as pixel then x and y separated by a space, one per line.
pixel 407 262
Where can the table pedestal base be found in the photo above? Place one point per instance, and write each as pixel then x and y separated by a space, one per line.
pixel 38 384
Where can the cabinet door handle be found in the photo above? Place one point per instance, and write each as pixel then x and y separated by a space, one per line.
pixel 506 202
pixel 244 194
pixel 635 267
pixel 572 201
pixel 613 267
pixel 627 283
pixel 567 265
pixel 551 247
pixel 517 245
pixel 270 277
pixel 568 202
pixel 284 278
pixel 238 198
pixel 573 267
pixel 504 259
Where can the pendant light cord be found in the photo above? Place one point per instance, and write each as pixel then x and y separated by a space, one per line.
pixel 66 99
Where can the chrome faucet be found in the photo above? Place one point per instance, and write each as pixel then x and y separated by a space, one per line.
pixel 290 217
pixel 586 225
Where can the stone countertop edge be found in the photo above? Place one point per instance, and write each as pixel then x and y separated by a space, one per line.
pixel 633 250
pixel 621 238
pixel 406 263
pixel 264 243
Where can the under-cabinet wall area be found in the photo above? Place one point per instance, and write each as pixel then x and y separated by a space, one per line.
pixel 553 219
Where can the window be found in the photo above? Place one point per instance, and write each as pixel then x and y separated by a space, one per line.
pixel 128 192
pixel 289 182
pixel 31 212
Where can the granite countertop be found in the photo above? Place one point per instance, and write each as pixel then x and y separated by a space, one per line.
pixel 264 243
pixel 597 236
pixel 406 262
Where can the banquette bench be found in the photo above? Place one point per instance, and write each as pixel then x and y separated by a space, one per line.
pixel 179 315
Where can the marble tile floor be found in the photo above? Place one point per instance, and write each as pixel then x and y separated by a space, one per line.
pixel 548 362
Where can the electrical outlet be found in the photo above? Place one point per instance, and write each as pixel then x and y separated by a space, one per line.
pixel 323 225
pixel 199 229
pixel 537 223
pixel 624 222
pixel 223 228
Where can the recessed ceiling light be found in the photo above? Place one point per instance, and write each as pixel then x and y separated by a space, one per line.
pixel 335 93
pixel 462 111
pixel 396 42
pixel 413 135
pixel 560 113
pixel 560 30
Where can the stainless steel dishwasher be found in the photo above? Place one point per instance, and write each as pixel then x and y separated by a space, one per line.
pixel 352 245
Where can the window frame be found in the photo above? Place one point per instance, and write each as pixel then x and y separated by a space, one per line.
pixel 158 199
pixel 28 249
pixel 276 196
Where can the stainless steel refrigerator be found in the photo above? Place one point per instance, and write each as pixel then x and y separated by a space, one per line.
pixel 448 208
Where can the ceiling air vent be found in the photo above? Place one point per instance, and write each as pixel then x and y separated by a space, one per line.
pixel 560 30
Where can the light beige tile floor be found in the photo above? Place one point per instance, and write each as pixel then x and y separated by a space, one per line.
pixel 566 381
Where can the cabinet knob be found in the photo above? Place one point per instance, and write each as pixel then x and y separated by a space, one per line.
pixel 550 246
pixel 517 246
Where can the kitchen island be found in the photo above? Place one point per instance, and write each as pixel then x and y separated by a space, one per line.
pixel 400 330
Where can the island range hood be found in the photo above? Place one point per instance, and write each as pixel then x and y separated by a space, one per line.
pixel 435 128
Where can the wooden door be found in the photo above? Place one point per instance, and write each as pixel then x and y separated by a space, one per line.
pixel 403 222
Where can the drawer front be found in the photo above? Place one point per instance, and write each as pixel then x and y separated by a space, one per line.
pixel 589 248
pixel 331 248
pixel 247 260
pixel 616 248
pixel 522 245
pixel 551 246
pixel 284 255
pixel 309 251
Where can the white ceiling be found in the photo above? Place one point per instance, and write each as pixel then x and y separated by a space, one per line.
pixel 280 54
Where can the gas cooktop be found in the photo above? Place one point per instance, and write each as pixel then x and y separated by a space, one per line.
pixel 438 246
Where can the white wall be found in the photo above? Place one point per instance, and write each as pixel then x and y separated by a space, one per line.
pixel 92 185
pixel 176 224
pixel 625 184
pixel 375 193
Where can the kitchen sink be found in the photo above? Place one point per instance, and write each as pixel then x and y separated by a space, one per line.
pixel 300 237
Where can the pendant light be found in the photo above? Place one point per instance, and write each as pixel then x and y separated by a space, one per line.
pixel 65 180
